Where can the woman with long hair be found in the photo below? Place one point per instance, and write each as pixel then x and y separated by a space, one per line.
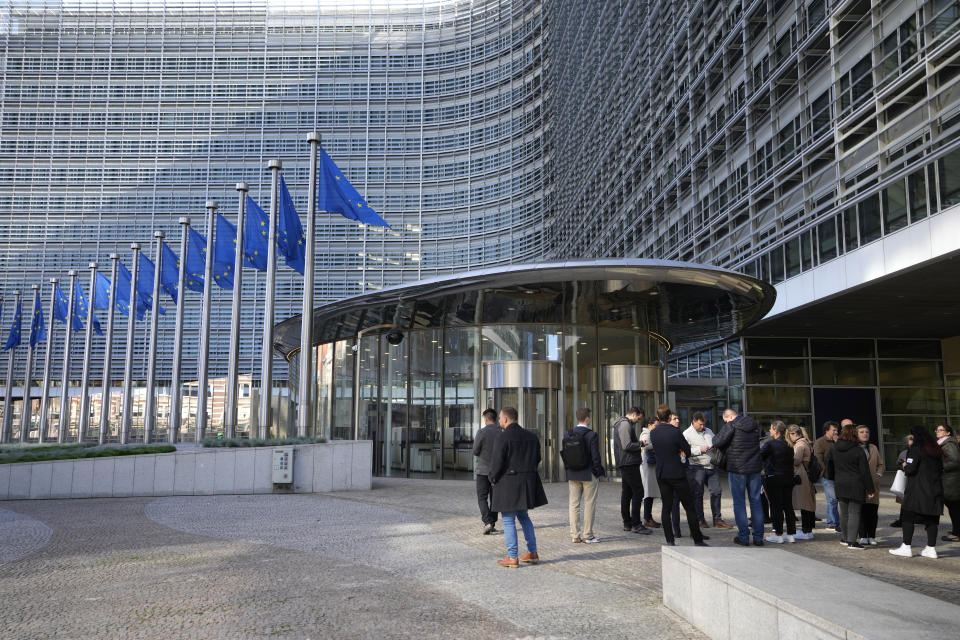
pixel 804 494
pixel 951 479
pixel 923 497
pixel 868 517
pixel 648 474
pixel 778 483
pixel 848 468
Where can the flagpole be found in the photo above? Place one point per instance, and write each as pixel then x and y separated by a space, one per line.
pixel 125 413
pixel 26 414
pixel 82 426
pixel 230 413
pixel 149 419
pixel 6 432
pixel 305 408
pixel 266 367
pixel 175 397
pixel 41 431
pixel 105 396
pixel 65 378
pixel 206 308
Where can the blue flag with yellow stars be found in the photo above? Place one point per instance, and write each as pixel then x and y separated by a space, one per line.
pixel 196 260
pixel 101 292
pixel 61 310
pixel 38 332
pixel 224 252
pixel 124 277
pixel 145 282
pixel 290 238
pixel 80 307
pixel 169 271
pixel 255 233
pixel 335 194
pixel 13 340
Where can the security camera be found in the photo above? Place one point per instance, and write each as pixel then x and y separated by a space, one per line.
pixel 394 337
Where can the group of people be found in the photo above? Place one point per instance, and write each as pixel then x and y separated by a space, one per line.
pixel 775 472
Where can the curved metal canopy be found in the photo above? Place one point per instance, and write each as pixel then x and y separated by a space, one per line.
pixel 684 302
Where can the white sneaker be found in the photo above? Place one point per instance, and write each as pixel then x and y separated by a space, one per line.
pixel 774 538
pixel 804 536
pixel 872 542
pixel 591 540
pixel 929 552
pixel 864 541
pixel 789 538
pixel 903 550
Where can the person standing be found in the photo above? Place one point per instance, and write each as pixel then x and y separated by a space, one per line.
pixel 648 474
pixel 951 479
pixel 804 494
pixel 821 447
pixel 740 439
pixel 923 497
pixel 868 516
pixel 483 450
pixel 901 461
pixel 848 468
pixel 701 471
pixel 583 484
pixel 778 483
pixel 672 452
pixel 628 454
pixel 516 485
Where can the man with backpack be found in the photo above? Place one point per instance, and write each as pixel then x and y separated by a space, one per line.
pixel 628 454
pixel 581 459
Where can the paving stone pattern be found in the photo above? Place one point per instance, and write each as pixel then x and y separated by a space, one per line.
pixel 406 560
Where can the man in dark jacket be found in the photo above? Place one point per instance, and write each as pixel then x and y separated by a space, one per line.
pixel 584 483
pixel 673 450
pixel 628 454
pixel 740 439
pixel 483 449
pixel 517 485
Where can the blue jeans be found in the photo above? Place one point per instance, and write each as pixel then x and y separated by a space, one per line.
pixel 830 493
pixel 510 531
pixel 750 484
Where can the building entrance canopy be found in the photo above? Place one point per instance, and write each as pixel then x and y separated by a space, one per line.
pixel 412 367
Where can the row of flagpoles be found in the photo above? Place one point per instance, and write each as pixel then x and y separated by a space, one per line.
pixel 253 241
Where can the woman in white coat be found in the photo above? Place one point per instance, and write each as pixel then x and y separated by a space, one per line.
pixel 648 474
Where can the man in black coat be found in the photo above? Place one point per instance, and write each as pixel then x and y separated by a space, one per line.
pixel 740 440
pixel 672 451
pixel 483 449
pixel 517 485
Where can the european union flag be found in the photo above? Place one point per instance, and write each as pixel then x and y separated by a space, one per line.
pixel 37 331
pixel 145 282
pixel 101 292
pixel 335 194
pixel 290 237
pixel 224 252
pixel 169 271
pixel 13 340
pixel 80 308
pixel 61 310
pixel 124 278
pixel 256 229
pixel 196 257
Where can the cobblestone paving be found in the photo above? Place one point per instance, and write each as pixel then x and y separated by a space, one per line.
pixel 404 560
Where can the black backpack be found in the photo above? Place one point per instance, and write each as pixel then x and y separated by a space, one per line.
pixel 574 451
pixel 814 469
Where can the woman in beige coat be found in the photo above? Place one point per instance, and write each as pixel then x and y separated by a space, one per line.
pixel 804 495
pixel 868 513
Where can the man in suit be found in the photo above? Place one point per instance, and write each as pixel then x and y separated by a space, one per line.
pixel 672 451
pixel 483 449
pixel 517 485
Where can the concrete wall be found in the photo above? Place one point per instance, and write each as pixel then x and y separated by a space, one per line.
pixel 333 466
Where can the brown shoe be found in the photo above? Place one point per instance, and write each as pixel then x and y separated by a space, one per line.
pixel 509 563
pixel 653 524
pixel 704 525
pixel 530 557
pixel 721 524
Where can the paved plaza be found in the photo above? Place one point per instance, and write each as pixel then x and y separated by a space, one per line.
pixel 406 560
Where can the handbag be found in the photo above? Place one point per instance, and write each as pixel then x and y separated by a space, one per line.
pixel 797 480
pixel 651 457
pixel 899 484
pixel 718 458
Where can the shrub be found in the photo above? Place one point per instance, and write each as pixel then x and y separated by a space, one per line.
pixel 257 442
pixel 45 454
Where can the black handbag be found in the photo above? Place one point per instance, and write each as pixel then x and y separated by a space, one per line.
pixel 718 458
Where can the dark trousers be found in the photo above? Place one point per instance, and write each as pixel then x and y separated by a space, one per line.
pixel 648 509
pixel 953 507
pixel 780 496
pixel 631 496
pixel 679 488
pixel 868 520
pixel 807 520
pixel 698 478
pixel 909 519
pixel 484 496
